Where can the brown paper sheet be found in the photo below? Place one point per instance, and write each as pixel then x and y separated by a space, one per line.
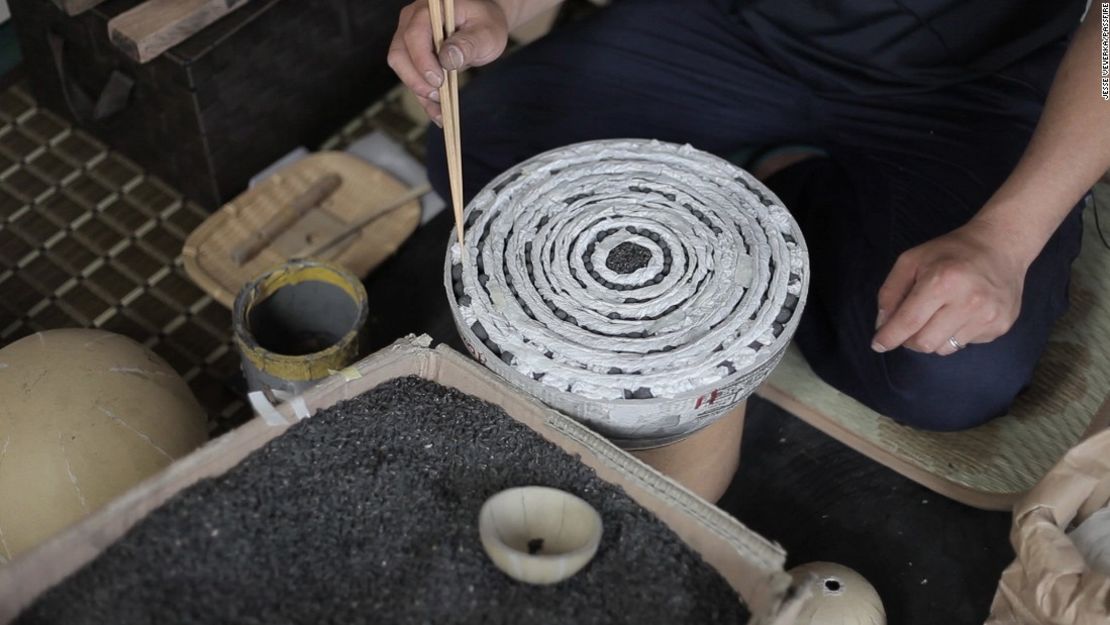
pixel 1049 583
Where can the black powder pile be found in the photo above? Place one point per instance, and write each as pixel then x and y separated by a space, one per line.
pixel 368 513
pixel 628 257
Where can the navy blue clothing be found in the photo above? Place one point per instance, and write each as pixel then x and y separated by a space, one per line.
pixel 902 169
pixel 887 46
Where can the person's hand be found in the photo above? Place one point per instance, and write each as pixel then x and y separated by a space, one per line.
pixel 480 37
pixel 965 286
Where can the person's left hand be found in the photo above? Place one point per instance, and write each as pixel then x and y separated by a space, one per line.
pixel 965 285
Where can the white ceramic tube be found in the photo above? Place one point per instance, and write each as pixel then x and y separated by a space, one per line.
pixel 539 535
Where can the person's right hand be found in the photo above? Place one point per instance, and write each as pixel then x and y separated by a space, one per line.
pixel 481 34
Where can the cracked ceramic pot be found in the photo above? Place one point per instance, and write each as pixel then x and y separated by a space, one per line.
pixel 86 414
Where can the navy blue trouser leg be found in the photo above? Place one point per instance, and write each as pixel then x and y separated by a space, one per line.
pixel 901 170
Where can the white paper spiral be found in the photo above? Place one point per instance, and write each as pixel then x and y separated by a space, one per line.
pixel 642 287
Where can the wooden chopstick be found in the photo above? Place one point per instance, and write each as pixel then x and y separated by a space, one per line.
pixel 453 79
pixel 443 25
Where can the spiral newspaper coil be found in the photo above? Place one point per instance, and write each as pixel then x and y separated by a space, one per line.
pixel 639 286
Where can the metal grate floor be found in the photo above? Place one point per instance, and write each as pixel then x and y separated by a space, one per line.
pixel 87 239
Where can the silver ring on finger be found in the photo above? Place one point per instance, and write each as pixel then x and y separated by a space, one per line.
pixel 956 345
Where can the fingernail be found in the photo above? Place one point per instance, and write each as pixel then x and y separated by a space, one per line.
pixel 880 318
pixel 433 78
pixel 433 95
pixel 877 346
pixel 454 57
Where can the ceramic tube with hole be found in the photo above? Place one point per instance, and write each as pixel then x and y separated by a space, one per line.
pixel 639 286
pixel 840 596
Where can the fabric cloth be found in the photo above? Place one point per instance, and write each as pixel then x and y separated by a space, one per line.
pixel 902 169
pixel 886 46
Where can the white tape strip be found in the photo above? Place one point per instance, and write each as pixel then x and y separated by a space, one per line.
pixel 300 408
pixel 296 402
pixel 265 409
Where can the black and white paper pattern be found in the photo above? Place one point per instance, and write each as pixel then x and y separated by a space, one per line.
pixel 642 287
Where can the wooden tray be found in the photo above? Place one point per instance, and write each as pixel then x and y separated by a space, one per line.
pixel 365 190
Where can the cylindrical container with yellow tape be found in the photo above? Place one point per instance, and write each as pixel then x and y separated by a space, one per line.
pixel 297 324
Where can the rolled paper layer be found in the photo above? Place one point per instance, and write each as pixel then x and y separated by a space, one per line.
pixel 642 287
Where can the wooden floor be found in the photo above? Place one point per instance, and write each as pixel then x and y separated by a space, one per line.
pixel 932 560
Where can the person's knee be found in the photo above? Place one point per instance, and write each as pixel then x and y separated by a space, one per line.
pixel 946 394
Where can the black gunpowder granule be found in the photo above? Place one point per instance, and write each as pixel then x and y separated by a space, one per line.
pixel 367 513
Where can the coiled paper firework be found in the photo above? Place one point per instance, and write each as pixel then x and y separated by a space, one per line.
pixel 642 287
